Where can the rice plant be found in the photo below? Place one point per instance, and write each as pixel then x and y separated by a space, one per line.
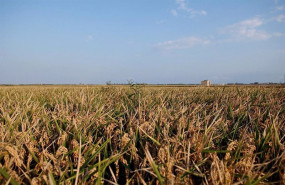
pixel 142 135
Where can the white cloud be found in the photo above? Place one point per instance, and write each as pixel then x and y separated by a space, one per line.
pixel 182 43
pixel 248 30
pixel 174 12
pixel 89 37
pixel 182 4
pixel 160 22
pixel 277 34
pixel 279 8
pixel 183 7
pixel 280 18
pixel 281 51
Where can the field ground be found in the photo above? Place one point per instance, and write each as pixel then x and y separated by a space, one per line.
pixel 142 135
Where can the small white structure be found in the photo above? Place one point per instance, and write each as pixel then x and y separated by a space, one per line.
pixel 206 83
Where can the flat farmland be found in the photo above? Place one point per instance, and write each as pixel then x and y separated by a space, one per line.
pixel 142 135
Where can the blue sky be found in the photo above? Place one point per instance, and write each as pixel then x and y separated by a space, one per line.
pixel 148 41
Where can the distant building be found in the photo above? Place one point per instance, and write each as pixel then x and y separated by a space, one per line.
pixel 206 83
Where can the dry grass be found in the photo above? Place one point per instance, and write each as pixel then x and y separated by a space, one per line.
pixel 142 135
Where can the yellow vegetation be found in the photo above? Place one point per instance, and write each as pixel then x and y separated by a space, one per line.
pixel 142 135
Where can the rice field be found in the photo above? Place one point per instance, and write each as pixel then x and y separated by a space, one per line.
pixel 142 135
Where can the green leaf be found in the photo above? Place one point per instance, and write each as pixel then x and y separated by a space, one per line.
pixel 7 176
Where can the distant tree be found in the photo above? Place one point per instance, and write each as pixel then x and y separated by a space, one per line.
pixel 130 82
pixel 109 82
pixel 255 83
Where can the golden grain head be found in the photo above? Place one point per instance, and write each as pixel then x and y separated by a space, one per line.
pixel 142 135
